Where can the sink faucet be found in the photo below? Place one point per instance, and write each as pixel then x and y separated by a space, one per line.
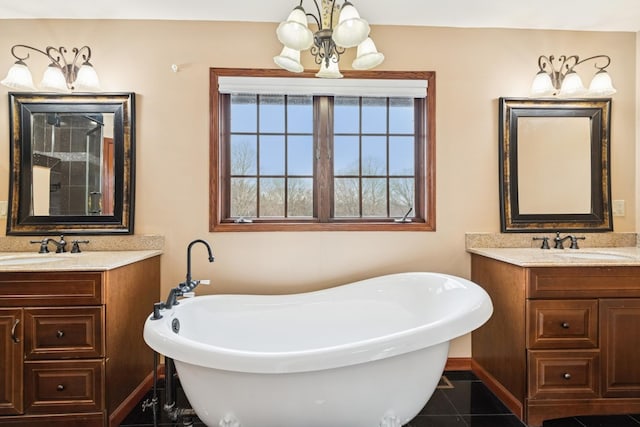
pixel 559 241
pixel 61 246
pixel 188 285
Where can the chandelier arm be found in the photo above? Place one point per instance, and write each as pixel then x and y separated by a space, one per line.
pixel 319 17
pixel 568 63
pixel 596 57
pixel 59 52
pixel 544 61
pixel 24 46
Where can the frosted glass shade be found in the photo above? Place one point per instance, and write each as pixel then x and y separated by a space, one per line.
pixel 87 79
pixel 542 85
pixel 294 32
pixel 19 77
pixel 330 72
pixel 572 85
pixel 289 59
pixel 601 84
pixel 53 80
pixel 351 29
pixel 367 56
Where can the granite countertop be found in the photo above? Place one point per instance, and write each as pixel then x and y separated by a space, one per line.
pixel 84 261
pixel 536 257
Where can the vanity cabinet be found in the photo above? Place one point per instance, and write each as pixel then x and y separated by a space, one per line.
pixel 563 340
pixel 72 350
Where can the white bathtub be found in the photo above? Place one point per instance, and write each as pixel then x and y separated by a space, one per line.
pixel 365 354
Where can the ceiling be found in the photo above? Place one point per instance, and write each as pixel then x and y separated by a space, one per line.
pixel 584 15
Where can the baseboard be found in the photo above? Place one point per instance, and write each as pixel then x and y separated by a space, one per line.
pixel 127 405
pixel 458 364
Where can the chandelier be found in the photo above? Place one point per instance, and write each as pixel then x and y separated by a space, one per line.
pixel 61 75
pixel 339 28
pixel 558 77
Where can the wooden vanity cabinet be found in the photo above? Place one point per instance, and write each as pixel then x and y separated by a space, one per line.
pixel 563 341
pixel 72 349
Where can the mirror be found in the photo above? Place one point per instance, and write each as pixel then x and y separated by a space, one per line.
pixel 554 165
pixel 72 160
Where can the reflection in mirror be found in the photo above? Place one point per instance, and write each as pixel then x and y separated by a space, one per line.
pixel 73 164
pixel 554 157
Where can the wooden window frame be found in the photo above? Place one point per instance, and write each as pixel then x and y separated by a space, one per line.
pixel 219 163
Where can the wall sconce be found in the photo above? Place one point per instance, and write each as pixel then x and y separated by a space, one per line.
pixel 60 76
pixel 564 81
pixel 329 42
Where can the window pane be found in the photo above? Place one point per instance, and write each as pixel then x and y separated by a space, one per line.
pixel 300 155
pixel 401 155
pixel 346 115
pixel 300 197
pixel 374 155
pixel 243 155
pixel 300 114
pixel 401 196
pixel 272 197
pixel 374 115
pixel 346 155
pixel 272 155
pixel 374 197
pixel 346 197
pixel 243 197
pixel 401 115
pixel 272 113
pixel 244 113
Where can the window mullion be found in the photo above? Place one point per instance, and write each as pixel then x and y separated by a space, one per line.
pixel 323 169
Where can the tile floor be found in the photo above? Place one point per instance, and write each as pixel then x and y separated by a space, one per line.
pixel 467 403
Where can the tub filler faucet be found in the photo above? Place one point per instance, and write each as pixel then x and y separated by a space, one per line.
pixel 185 287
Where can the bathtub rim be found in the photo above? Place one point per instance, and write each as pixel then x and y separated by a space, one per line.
pixel 158 335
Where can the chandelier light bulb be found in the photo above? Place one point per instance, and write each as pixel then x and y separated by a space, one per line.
pixel 351 29
pixel 289 59
pixel 294 33
pixel 367 56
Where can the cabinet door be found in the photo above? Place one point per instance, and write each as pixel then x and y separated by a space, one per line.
pixel 620 335
pixel 11 348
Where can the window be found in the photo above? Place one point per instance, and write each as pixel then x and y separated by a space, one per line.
pixel 288 155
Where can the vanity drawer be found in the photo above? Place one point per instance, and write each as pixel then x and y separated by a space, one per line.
pixel 571 374
pixel 583 282
pixel 557 324
pixel 50 289
pixel 63 333
pixel 63 386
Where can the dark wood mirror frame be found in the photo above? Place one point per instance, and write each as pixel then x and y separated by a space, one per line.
pixel 22 107
pixel 598 111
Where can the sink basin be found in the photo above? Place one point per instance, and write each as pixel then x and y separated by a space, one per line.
pixel 31 259
pixel 595 255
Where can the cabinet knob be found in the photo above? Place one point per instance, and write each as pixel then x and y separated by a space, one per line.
pixel 565 325
pixel 59 334
pixel 60 387
pixel 566 376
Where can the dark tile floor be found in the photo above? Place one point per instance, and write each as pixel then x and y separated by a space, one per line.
pixel 466 402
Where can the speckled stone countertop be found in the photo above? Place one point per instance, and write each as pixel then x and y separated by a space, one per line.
pixel 535 257
pixel 597 249
pixel 85 261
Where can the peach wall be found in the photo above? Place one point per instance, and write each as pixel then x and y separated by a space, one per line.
pixel 474 67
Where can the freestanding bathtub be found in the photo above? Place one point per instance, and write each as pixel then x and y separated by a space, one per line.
pixel 365 354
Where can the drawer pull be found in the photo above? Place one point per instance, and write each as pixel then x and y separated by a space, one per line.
pixel 60 387
pixel 566 376
pixel 60 334
pixel 14 337
pixel 565 325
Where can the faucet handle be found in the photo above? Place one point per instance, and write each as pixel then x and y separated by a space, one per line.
pixel 44 249
pixel 545 242
pixel 574 242
pixel 75 249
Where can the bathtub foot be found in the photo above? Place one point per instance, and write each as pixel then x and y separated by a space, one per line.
pixel 390 420
pixel 229 420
